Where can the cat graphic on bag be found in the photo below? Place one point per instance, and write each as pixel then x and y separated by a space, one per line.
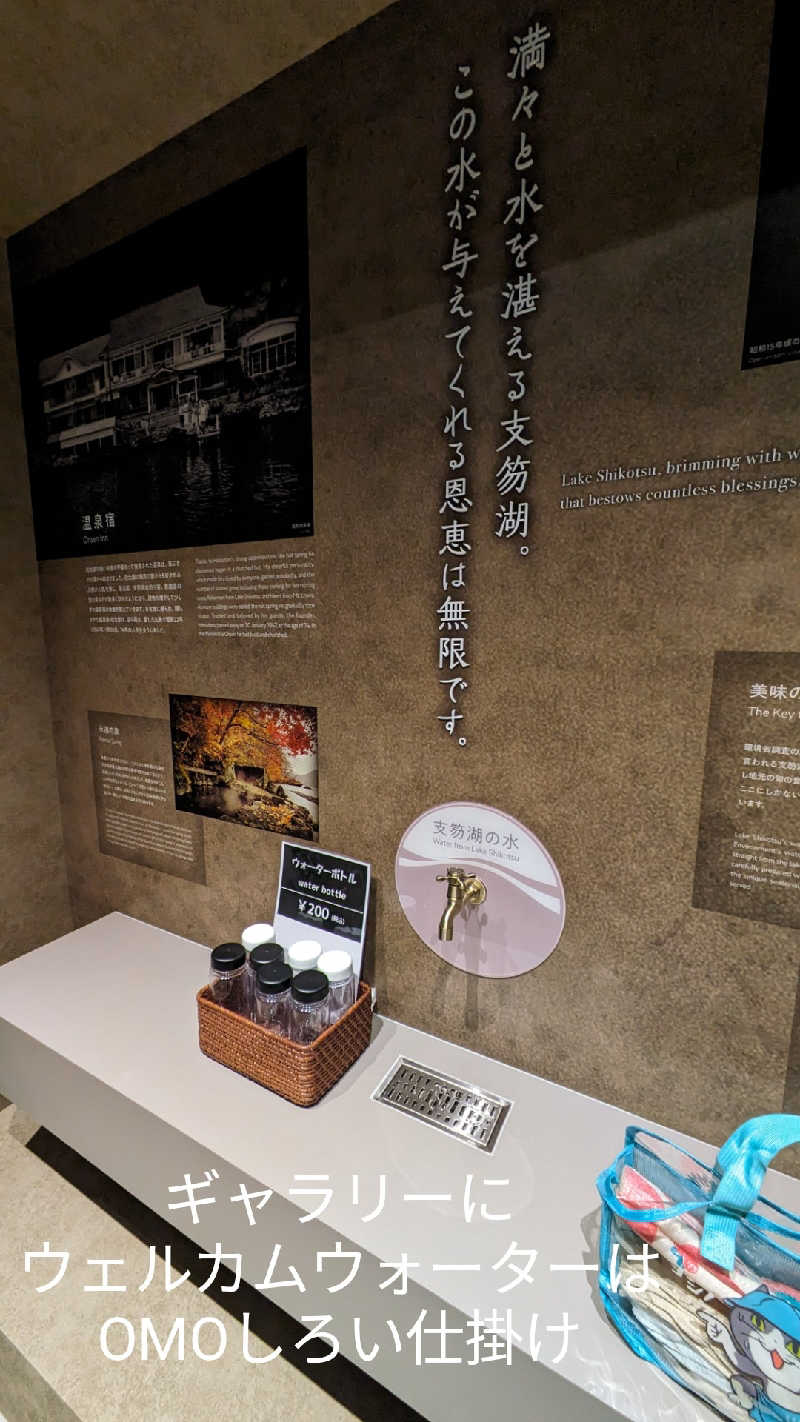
pixel 762 1342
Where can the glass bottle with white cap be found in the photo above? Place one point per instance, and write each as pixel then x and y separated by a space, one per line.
pixel 303 955
pixel 257 933
pixel 252 937
pixel 337 965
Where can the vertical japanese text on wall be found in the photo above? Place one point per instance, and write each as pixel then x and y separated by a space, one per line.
pixel 461 200
pixel 527 53
pixel 520 294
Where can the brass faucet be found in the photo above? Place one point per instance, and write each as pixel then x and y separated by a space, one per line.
pixel 462 888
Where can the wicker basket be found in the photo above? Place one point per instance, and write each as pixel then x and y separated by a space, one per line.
pixel 301 1074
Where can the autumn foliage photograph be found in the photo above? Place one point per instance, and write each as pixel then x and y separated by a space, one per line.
pixel 248 762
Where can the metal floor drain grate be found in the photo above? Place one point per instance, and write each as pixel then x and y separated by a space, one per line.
pixel 453 1106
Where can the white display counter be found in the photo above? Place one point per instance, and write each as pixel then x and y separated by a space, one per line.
pixel 98 1042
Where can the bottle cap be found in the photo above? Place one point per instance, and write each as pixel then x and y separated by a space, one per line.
pixel 227 957
pixel 274 977
pixel 257 933
pixel 337 965
pixel 266 953
pixel 309 986
pixel 303 954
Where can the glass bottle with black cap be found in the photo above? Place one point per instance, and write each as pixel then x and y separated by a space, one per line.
pixel 309 1010
pixel 229 977
pixel 272 1005
pixel 258 958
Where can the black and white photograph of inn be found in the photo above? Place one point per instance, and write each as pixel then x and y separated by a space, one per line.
pixel 152 374
pixel 183 420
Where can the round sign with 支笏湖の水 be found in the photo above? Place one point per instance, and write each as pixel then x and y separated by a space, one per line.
pixel 480 889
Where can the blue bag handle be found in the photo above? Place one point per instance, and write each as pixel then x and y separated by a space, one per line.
pixel 741 1165
pixel 764 1135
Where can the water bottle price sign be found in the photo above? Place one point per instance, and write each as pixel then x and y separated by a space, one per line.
pixel 322 896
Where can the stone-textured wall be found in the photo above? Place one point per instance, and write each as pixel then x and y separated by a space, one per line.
pixel 35 904
pixel 86 89
pixel 592 661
